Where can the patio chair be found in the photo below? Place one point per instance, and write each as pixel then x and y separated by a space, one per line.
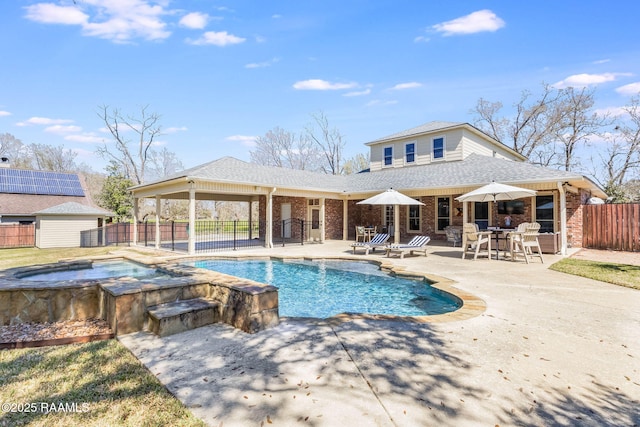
pixel 377 241
pixel 417 244
pixel 473 238
pixel 524 242
pixel 360 234
pixel 454 235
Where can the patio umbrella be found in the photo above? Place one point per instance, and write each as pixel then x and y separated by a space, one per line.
pixel 391 197
pixel 494 192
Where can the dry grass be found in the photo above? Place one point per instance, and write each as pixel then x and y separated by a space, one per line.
pixel 20 257
pixel 106 383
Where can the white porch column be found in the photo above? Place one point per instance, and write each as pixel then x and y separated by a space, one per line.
pixel 268 238
pixel 345 219
pixel 465 212
pixel 322 220
pixel 135 221
pixel 563 219
pixel 158 207
pixel 192 221
pixel 250 217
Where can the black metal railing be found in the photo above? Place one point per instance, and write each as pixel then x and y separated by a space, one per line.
pixel 227 235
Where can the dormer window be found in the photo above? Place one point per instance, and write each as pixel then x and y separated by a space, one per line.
pixel 410 152
pixel 438 148
pixel 388 156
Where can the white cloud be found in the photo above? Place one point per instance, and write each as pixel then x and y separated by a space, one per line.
pixel 602 61
pixel 276 16
pixel 49 13
pixel 409 85
pixel 61 129
pixel 246 140
pixel 422 39
pixel 194 20
pixel 611 111
pixel 175 129
pixel 43 121
pixel 4 113
pixel 221 38
pixel 583 80
pixel 262 64
pixel 116 20
pixel 86 138
pixel 358 93
pixel 317 84
pixel 631 89
pixel 476 22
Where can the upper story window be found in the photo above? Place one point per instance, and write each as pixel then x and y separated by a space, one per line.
pixel 438 148
pixel 388 156
pixel 410 152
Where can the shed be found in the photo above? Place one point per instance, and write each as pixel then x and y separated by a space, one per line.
pixel 60 226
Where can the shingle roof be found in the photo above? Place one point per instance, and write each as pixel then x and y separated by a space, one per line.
pixel 72 208
pixel 474 170
pixel 229 169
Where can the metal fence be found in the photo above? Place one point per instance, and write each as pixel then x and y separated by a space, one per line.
pixel 17 236
pixel 612 226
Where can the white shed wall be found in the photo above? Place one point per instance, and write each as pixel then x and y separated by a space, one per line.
pixel 61 231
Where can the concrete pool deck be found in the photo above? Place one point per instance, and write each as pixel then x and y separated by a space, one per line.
pixel 550 349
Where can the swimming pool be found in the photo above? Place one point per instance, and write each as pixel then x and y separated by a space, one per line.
pixel 95 270
pixel 325 288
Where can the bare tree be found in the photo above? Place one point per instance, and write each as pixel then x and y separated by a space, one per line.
pixel 50 158
pixel 575 123
pixel 622 158
pixel 13 149
pixel 281 148
pixel 357 163
pixel 131 155
pixel 162 163
pixel 330 142
pixel 531 128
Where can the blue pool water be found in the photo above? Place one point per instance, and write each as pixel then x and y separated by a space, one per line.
pixel 325 288
pixel 99 270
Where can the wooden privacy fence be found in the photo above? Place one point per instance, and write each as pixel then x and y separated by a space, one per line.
pixel 17 235
pixel 612 226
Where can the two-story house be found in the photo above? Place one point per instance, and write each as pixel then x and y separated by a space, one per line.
pixel 433 163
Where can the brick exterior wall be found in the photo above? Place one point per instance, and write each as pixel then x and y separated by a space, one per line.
pixel 372 215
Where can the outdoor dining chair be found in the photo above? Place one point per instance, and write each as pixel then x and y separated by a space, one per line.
pixel 524 242
pixel 473 239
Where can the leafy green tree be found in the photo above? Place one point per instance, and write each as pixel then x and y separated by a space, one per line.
pixel 115 195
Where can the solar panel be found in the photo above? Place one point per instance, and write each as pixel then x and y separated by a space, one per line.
pixel 18 181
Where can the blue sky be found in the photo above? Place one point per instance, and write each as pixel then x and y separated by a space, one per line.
pixel 222 73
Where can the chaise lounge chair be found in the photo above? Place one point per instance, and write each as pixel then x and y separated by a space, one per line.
pixel 378 240
pixel 417 244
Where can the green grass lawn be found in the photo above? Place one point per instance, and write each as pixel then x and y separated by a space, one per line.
pixel 618 274
pixel 102 382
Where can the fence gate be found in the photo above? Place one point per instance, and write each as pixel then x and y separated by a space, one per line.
pixel 612 226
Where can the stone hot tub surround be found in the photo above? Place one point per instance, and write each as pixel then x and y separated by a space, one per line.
pixel 125 302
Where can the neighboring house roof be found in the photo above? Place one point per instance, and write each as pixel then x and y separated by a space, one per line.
pixel 23 192
pixel 27 204
pixel 73 208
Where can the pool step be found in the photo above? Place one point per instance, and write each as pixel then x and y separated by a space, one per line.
pixel 179 316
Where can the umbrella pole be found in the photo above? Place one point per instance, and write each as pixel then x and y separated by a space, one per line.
pixel 396 230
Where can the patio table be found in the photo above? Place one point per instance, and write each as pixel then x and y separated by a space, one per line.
pixel 496 231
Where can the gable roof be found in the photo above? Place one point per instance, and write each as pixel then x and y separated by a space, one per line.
pixel 475 170
pixel 73 208
pixel 232 170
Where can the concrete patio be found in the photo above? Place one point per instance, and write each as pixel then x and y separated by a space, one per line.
pixel 550 349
